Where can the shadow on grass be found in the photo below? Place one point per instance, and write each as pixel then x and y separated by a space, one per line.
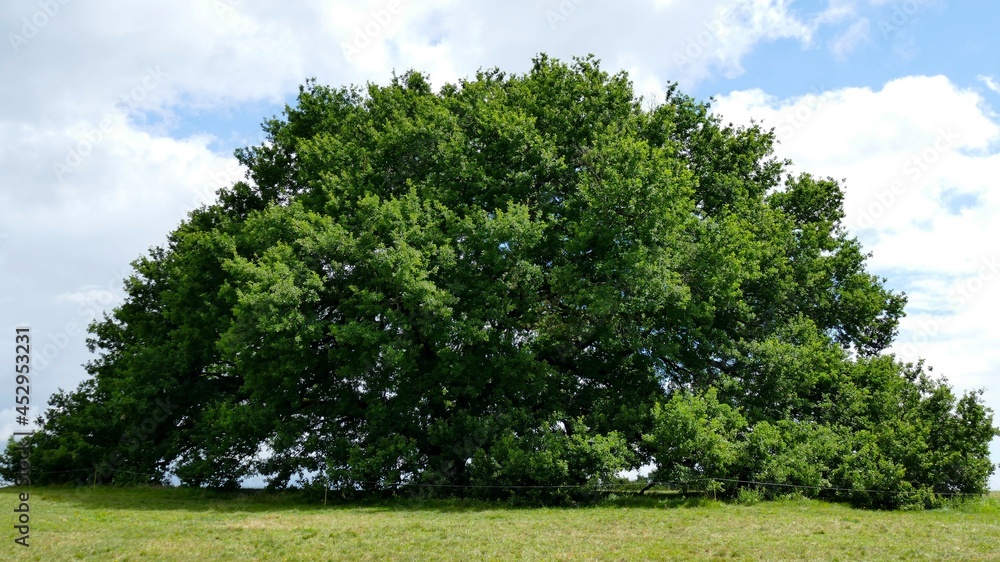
pixel 255 501
pixel 259 501
pixel 168 498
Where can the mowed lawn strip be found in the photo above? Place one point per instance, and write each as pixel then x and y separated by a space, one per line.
pixel 179 524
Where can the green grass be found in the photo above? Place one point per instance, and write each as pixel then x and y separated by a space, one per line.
pixel 184 524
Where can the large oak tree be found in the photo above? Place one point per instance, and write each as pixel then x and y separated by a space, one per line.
pixel 516 280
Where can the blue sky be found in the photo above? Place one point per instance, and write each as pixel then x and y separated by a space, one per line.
pixel 119 118
pixel 925 37
pixel 901 39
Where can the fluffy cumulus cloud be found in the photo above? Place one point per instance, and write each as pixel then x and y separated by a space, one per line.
pixel 78 205
pixel 81 57
pixel 918 158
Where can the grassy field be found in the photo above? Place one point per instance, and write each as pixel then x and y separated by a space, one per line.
pixel 179 524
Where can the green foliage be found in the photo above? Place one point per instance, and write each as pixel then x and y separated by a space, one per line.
pixel 515 280
pixel 695 438
pixel 555 455
pixel 919 443
pixel 748 495
pixel 791 456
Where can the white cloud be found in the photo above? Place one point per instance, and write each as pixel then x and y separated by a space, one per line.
pixel 228 51
pixel 899 159
pixel 903 150
pixel 729 31
pixel 990 83
pixel 845 43
pixel 839 10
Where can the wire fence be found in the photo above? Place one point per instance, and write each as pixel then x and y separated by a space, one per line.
pixel 625 487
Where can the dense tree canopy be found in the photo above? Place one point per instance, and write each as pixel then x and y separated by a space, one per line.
pixel 517 280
